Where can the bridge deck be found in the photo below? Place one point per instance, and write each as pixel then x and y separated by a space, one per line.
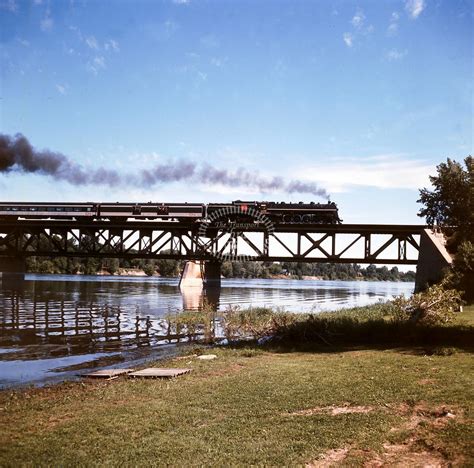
pixel 166 225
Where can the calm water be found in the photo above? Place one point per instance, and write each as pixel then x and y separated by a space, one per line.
pixel 55 327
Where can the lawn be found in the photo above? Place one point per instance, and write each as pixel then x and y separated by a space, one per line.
pixel 256 406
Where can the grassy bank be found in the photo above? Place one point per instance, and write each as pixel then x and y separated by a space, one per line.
pixel 254 406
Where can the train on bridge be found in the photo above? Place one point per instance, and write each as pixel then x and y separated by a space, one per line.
pixel 277 212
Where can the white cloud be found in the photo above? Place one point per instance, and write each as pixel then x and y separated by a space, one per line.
pixel 62 89
pixel 47 23
pixel 359 28
pixel 384 172
pixel 348 39
pixel 395 54
pixel 358 19
pixel 91 41
pixel 181 2
pixel 414 7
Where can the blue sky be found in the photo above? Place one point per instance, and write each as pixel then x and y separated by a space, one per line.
pixel 363 98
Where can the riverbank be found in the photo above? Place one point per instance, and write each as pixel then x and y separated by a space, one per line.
pixel 137 272
pixel 256 405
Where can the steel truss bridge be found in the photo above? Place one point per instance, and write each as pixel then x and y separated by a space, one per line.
pixel 336 243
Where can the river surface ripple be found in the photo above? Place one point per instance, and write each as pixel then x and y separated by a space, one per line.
pixel 54 327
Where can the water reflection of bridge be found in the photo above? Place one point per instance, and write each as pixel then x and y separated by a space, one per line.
pixel 56 328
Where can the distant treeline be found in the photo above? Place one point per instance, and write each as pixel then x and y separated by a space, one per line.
pixel 172 268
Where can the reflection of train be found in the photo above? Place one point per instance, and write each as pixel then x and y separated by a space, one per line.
pixel 325 213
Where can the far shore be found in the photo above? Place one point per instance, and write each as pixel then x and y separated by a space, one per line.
pixel 139 273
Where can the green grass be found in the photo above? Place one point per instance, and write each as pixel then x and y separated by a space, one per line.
pixel 237 410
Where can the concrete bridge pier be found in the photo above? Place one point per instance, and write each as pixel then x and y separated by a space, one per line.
pixel 201 274
pixel 12 269
pixel 433 260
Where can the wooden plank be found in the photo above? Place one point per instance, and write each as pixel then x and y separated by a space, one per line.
pixel 155 372
pixel 108 374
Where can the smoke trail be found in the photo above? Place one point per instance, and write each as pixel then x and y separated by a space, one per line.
pixel 17 155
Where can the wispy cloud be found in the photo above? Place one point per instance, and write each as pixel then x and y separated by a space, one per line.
pixel 391 171
pixel 218 62
pixel 359 28
pixel 348 39
pixel 23 42
pixel 358 19
pixel 414 7
pixel 393 26
pixel 91 42
pixel 47 23
pixel 395 54
pixel 99 61
pixel 209 41
pixel 62 89
pixel 96 64
pixel 181 2
pixel 111 44
pixel 9 5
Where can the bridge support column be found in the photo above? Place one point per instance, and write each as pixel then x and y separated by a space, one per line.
pixel 201 274
pixel 433 260
pixel 212 274
pixel 192 275
pixel 12 269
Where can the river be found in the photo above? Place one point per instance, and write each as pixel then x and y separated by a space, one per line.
pixel 53 327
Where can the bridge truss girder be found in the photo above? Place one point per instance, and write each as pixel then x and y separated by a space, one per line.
pixel 377 244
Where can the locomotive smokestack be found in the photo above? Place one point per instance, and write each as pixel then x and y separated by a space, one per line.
pixel 17 155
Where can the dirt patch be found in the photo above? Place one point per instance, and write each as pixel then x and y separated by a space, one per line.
pixel 435 417
pixel 402 456
pixel 332 410
pixel 419 419
pixel 330 458
pixel 427 381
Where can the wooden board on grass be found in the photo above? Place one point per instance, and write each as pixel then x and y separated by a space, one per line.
pixel 108 374
pixel 155 372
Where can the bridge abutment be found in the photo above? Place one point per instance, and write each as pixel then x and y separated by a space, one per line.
pixel 201 274
pixel 12 269
pixel 433 260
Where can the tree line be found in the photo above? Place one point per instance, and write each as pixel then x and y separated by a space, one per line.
pixel 244 269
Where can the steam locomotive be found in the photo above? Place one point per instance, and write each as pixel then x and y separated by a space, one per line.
pixel 291 213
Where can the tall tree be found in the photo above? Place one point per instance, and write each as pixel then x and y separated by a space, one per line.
pixel 450 205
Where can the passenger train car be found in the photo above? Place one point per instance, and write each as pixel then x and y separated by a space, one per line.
pixel 291 213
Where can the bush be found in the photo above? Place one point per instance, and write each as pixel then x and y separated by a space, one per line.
pixel 254 322
pixel 149 269
pixel 435 305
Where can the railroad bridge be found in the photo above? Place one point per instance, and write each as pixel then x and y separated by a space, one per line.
pixel 205 246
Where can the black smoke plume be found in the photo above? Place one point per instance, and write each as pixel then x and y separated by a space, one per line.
pixel 17 155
